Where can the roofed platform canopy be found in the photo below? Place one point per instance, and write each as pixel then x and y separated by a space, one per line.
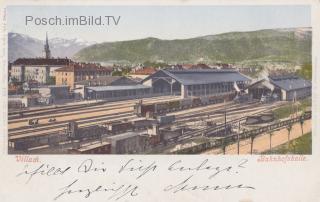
pixel 200 82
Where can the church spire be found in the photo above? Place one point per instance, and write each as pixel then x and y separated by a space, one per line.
pixel 46 48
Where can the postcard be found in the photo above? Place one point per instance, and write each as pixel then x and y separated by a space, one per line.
pixel 160 101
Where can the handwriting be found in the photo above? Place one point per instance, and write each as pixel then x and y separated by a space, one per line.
pixel 203 166
pixel 118 191
pixel 43 169
pixel 140 168
pixel 87 166
pixel 186 186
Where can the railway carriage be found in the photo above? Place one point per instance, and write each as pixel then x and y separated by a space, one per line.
pixel 185 103
pixel 117 127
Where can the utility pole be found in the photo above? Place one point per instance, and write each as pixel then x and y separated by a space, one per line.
pixel 225 118
pixel 270 137
pixel 251 149
pixel 225 127
pixel 239 139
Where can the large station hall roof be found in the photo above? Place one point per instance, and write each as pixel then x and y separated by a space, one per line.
pixel 205 76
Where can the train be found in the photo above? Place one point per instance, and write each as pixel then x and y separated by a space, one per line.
pixel 269 98
pixel 243 97
pixel 155 109
pixel 117 127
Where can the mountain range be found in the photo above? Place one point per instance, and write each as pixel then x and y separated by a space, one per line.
pixel 291 45
pixel 24 46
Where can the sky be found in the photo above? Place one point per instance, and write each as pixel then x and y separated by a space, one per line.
pixel 163 22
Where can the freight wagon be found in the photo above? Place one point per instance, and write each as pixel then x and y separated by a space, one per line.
pixel 142 110
pixel 136 124
pixel 164 120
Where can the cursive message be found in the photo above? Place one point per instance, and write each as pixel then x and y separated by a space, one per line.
pixel 180 176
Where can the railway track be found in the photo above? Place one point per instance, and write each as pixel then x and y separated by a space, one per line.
pixel 81 107
pixel 213 115
pixel 81 122
pixel 64 114
pixel 191 134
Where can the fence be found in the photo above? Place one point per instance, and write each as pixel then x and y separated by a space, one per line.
pixel 223 142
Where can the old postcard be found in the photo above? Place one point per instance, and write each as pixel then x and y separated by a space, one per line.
pixel 160 101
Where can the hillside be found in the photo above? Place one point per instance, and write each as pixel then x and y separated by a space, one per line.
pixel 277 45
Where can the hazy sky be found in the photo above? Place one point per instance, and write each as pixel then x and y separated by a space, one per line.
pixel 164 22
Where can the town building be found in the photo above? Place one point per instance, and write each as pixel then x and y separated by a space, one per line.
pixel 285 87
pixel 22 101
pixel 52 93
pixel 196 83
pixel 143 72
pixel 41 70
pixel 76 72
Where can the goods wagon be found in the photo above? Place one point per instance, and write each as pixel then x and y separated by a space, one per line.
pixel 161 108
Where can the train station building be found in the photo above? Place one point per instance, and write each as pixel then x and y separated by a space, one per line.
pixel 196 83
pixel 286 87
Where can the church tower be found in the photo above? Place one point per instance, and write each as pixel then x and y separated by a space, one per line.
pixel 46 48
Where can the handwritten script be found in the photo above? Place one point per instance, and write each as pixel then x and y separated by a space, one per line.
pixel 131 177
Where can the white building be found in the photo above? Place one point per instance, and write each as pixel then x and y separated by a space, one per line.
pixel 37 69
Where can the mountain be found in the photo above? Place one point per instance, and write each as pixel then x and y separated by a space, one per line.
pixel 292 45
pixel 20 45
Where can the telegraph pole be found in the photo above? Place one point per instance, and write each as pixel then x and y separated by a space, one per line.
pixel 239 139
pixel 225 127
pixel 225 118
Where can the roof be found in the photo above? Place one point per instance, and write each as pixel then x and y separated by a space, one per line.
pixel 145 71
pixel 78 67
pixel 205 76
pixel 196 66
pixel 54 86
pixel 290 83
pixel 126 135
pixel 106 80
pixel 42 61
pixel 112 88
pixel 93 145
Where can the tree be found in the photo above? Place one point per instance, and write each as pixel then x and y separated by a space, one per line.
pixel 154 64
pixel 117 73
pixel 305 71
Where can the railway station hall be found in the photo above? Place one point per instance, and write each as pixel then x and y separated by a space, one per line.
pixel 196 83
pixel 286 87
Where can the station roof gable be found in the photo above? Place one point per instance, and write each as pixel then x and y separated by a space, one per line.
pixel 203 76
pixel 291 83
pixel 286 83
